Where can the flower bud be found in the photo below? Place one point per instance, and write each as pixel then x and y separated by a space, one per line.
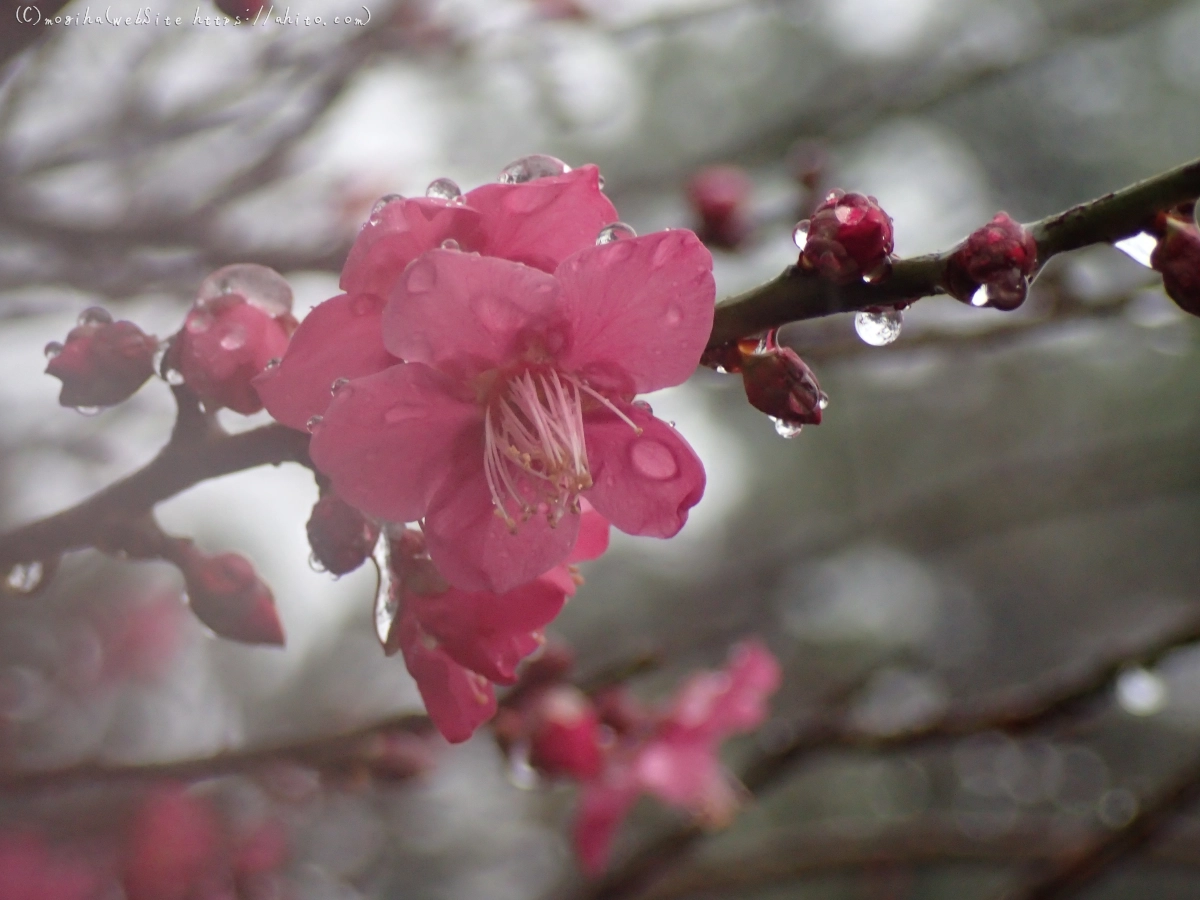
pixel 227 595
pixel 565 738
pixel 779 383
pixel 226 341
pixel 340 536
pixel 720 198
pixel 848 237
pixel 992 266
pixel 102 363
pixel 174 843
pixel 1177 257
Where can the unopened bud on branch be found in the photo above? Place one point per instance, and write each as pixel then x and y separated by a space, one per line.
pixel 102 363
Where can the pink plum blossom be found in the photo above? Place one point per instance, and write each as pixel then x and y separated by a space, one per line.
pixel 675 758
pixel 515 401
pixel 539 223
pixel 458 643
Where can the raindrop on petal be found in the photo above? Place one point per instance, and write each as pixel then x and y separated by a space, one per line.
pixel 823 400
pixel 88 410
pixel 338 384
pixel 95 315
pixel 980 297
pixel 313 422
pixel 643 406
pixel 315 564
pixel 617 231
pixel 800 234
pixel 52 349
pixel 652 459
pixel 531 168
pixel 443 189
pixel 272 363
pixel 786 429
pixel 235 339
pixel 600 181
pixel 387 603
pixel 260 286
pixel 173 377
pixel 377 210
pixel 878 327
pixel 1138 248
pixel 450 244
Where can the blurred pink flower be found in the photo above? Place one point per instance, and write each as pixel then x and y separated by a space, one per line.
pixel 516 399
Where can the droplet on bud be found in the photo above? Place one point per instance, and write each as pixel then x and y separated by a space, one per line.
pixel 521 774
pixel 259 285
pixel 878 327
pixel 376 215
pixel 823 401
pixel 338 384
pixel 443 189
pixel 800 234
pixel 52 349
pixel 617 231
pixel 88 411
pixel 980 297
pixel 173 377
pixel 450 244
pixel 25 578
pixel 313 422
pixel 234 340
pixel 531 168
pixel 1139 248
pixel 786 429
pixel 95 315
pixel 387 604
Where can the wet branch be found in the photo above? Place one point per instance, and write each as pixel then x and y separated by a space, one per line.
pixel 795 295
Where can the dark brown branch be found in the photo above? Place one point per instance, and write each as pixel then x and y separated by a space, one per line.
pixel 1084 866
pixel 180 465
pixel 1022 709
pixel 797 295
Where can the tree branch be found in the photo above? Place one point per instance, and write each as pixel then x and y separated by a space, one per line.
pixel 796 295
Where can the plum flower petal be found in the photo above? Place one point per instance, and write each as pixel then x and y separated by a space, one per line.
pixel 389 440
pixel 457 699
pixel 593 535
pixel 542 222
pixel 463 313
pixel 718 704
pixel 475 549
pixel 643 483
pixel 603 804
pixel 340 338
pixel 400 232
pixel 488 633
pixel 641 310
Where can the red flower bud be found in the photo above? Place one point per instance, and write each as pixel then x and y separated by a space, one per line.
pixel 174 843
pixel 720 197
pixel 340 536
pixel 103 362
pixel 565 739
pixel 992 266
pixel 1177 257
pixel 848 237
pixel 779 383
pixel 227 595
pixel 240 321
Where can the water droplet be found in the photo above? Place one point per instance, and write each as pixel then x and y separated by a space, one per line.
pixel 1138 248
pixel 878 327
pixel 173 377
pixel 198 323
pixel 600 181
pixel 421 276
pixel 377 210
pixel 617 231
pixel 315 564
pixel 531 168
pixel 800 234
pixel 313 422
pixel 674 316
pixel 272 363
pixel 667 247
pixel 521 774
pixel 95 315
pixel 235 339
pixel 402 412
pixel 338 384
pixel 652 459
pixel 25 578
pixel 444 189
pixel 260 286
pixel 786 429
pixel 52 349
pixel 387 604
pixel 88 411
pixel 980 297
pixel 1141 692
pixel 450 244
pixel 643 406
